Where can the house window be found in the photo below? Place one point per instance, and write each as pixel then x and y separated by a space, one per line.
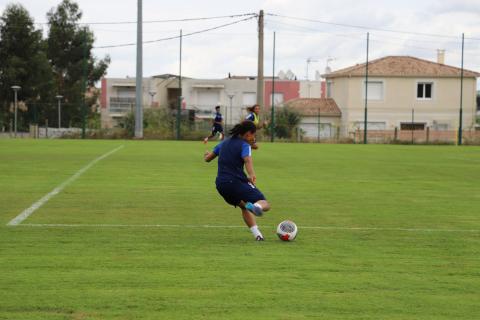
pixel 375 90
pixel 424 90
pixel 276 97
pixel 329 89
pixel 412 126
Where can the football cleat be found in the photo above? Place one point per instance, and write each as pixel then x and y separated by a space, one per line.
pixel 256 210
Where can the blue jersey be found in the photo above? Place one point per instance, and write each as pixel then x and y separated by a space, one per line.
pixel 230 159
pixel 218 117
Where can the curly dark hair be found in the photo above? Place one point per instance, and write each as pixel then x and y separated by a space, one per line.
pixel 242 128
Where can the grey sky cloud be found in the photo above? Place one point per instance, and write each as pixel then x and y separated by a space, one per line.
pixel 233 49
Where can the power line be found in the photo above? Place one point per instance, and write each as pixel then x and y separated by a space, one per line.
pixel 360 37
pixel 366 28
pixel 176 37
pixel 174 20
pixel 151 21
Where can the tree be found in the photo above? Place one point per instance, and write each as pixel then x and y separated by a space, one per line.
pixel 23 62
pixel 70 52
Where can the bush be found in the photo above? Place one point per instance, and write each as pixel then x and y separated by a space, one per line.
pixel 287 121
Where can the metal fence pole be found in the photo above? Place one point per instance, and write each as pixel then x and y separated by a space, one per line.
pixel 179 106
pixel 413 125
pixel 461 97
pixel 272 126
pixel 365 125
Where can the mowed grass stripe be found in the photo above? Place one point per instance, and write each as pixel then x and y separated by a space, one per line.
pixel 29 169
pixel 206 226
pixel 27 212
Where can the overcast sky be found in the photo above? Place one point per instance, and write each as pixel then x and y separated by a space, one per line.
pixel 234 49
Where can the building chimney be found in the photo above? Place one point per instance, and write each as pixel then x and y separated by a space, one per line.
pixel 441 56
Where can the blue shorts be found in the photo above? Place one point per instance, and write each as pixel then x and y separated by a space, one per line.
pixel 217 128
pixel 235 191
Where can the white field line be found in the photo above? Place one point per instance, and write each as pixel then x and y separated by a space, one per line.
pixel 190 226
pixel 27 212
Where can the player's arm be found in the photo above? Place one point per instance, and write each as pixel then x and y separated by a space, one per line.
pixel 250 171
pixel 253 144
pixel 248 161
pixel 210 155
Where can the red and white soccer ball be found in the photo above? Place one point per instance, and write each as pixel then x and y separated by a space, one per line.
pixel 287 230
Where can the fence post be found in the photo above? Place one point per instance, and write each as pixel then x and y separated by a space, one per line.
pixel 395 134
pixel 46 128
pixel 428 135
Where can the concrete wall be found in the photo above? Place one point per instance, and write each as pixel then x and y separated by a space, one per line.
pixel 289 88
pixel 311 89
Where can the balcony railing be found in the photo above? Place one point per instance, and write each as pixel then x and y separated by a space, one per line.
pixel 121 105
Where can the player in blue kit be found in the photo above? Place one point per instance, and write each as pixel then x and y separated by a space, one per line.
pixel 232 183
pixel 217 125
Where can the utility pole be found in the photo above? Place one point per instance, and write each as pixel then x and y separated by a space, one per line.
pixel 260 80
pixel 139 75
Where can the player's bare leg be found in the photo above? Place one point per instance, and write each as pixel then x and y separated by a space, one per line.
pixel 258 208
pixel 251 222
pixel 209 137
pixel 264 204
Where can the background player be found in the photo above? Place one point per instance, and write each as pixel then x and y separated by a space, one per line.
pixel 217 125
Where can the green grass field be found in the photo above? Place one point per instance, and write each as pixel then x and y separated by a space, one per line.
pixel 386 232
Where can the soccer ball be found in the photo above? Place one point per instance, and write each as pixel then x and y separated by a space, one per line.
pixel 287 230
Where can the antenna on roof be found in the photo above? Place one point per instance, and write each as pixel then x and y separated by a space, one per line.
pixel 327 68
pixel 310 60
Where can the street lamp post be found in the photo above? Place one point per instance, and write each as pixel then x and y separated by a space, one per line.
pixel 151 93
pixel 230 96
pixel 15 89
pixel 59 98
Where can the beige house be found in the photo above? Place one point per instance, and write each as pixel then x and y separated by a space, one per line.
pixel 320 117
pixel 398 85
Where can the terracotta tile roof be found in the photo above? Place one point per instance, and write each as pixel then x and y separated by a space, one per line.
pixel 402 66
pixel 310 106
